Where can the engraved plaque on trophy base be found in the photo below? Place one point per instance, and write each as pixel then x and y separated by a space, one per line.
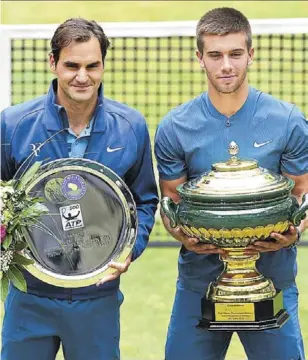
pixel 248 316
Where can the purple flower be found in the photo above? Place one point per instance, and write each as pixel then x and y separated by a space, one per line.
pixel 3 233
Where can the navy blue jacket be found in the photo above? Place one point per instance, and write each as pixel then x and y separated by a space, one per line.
pixel 25 126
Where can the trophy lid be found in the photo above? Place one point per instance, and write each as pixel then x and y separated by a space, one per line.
pixel 236 180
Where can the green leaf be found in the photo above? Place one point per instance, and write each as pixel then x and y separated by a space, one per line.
pixel 28 175
pixel 19 240
pixel 7 242
pixel 21 260
pixel 15 223
pixel 37 200
pixel 20 245
pixel 4 286
pixel 17 278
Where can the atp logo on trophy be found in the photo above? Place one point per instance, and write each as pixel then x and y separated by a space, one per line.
pixel 71 217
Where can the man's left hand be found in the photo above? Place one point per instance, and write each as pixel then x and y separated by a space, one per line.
pixel 120 268
pixel 281 241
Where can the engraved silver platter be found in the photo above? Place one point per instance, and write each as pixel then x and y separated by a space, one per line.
pixel 91 221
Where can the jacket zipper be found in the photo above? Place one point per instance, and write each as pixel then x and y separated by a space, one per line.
pixel 70 296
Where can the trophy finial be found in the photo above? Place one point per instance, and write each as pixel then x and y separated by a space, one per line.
pixel 234 163
pixel 233 148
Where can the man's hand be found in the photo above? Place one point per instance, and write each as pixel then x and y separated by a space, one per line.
pixel 281 241
pixel 193 244
pixel 120 268
pixel 169 188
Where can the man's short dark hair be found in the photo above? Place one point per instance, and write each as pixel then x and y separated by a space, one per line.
pixel 222 21
pixel 78 30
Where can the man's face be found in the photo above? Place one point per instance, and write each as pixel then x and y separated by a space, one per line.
pixel 79 71
pixel 225 59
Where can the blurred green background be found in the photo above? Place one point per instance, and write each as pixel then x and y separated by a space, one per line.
pixel 44 12
pixel 150 284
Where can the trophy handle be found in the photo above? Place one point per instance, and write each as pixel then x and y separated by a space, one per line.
pixel 170 208
pixel 300 213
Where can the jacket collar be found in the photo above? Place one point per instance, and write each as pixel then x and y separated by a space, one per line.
pixel 55 118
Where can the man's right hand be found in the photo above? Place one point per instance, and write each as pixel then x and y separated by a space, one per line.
pixel 193 244
pixel 168 188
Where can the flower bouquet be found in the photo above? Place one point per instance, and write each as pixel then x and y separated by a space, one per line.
pixel 18 210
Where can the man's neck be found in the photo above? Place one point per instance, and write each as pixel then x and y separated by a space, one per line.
pixel 229 104
pixel 79 113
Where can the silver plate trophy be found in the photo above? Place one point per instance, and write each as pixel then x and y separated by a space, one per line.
pixel 92 220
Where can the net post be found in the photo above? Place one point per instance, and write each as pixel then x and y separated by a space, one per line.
pixel 5 69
